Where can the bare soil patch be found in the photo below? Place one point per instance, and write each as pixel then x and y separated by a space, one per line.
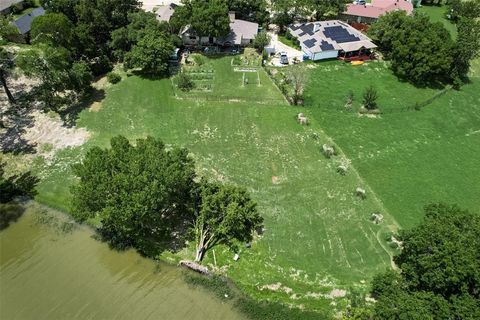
pixel 52 132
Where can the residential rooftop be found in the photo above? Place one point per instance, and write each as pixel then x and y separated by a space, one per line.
pixel 377 8
pixel 330 35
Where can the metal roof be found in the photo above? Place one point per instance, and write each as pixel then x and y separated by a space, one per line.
pixel 24 23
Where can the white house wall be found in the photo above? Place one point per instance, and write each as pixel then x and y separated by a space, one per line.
pixel 325 55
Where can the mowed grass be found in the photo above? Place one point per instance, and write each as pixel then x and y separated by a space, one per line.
pixel 410 158
pixel 439 14
pixel 318 233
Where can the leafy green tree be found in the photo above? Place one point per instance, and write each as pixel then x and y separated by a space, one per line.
pixel 286 11
pixel 67 7
pixel 139 193
pixel 467 47
pixel 206 17
pixel 262 39
pixel 124 38
pixel 250 10
pixel 16 185
pixel 469 9
pixel 420 51
pixel 54 29
pixel 325 9
pixel 370 97
pixel 441 255
pixel 57 74
pixel 224 214
pixel 151 53
pixel 439 270
pixel 8 32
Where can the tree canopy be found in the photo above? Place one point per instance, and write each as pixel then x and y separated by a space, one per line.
pixel 206 17
pixel 420 51
pixel 151 53
pixel 57 73
pixel 439 268
pixel 139 193
pixel 224 214
pixel 53 28
pixel 144 194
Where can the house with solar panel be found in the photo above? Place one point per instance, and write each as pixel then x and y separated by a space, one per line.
pixel 331 39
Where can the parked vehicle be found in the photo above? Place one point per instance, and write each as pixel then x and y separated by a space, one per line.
pixel 283 58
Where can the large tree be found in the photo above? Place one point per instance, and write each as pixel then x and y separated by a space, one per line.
pixel 467 47
pixel 140 193
pixel 207 18
pixel 53 28
pixel 60 79
pixel 250 10
pixel 224 214
pixel 325 9
pixel 420 51
pixel 151 53
pixel 439 268
pixel 140 22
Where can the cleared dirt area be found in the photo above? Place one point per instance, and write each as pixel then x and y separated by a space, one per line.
pixel 47 130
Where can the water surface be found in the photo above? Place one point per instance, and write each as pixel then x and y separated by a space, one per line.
pixel 46 273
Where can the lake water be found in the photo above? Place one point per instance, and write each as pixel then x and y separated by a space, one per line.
pixel 46 273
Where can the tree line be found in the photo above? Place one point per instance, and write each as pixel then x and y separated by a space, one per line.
pixel 423 52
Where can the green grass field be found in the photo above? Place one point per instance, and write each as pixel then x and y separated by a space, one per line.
pixel 318 233
pixel 438 14
pixel 410 158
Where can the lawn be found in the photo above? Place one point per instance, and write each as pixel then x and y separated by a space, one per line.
pixel 318 234
pixel 410 158
pixel 288 42
pixel 438 14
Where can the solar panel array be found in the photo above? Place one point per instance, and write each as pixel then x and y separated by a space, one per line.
pixel 306 29
pixel 339 34
pixel 310 43
pixel 325 46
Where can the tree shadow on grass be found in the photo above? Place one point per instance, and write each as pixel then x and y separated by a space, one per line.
pixel 70 114
pixel 15 119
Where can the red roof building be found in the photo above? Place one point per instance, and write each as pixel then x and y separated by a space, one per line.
pixel 370 12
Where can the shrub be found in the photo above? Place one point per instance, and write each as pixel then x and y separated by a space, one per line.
pixel 198 59
pixel 370 98
pixel 185 82
pixel 113 77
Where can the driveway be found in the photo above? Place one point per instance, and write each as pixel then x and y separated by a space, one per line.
pixel 280 47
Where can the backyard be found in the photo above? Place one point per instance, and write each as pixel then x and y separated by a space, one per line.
pixel 410 158
pixel 319 241
pixel 318 238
